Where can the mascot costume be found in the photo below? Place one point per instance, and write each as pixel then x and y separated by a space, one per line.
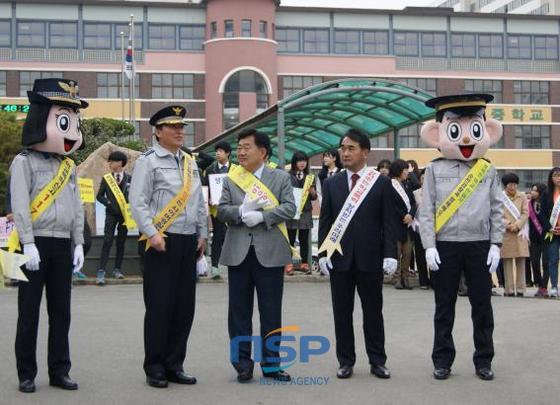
pixel 48 215
pixel 462 223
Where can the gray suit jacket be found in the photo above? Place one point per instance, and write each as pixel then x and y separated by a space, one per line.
pixel 271 247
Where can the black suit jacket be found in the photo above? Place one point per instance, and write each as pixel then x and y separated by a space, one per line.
pixel 105 195
pixel 370 236
pixel 401 210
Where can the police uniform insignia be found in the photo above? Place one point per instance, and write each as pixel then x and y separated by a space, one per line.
pixel 177 110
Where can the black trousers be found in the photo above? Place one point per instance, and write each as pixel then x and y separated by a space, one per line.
pixel 303 237
pixel 112 222
pixel 536 252
pixel 219 229
pixel 169 296
pixel 471 258
pixel 369 286
pixel 55 274
pixel 420 254
pixel 243 280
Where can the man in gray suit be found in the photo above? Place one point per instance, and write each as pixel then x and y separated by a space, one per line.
pixel 256 252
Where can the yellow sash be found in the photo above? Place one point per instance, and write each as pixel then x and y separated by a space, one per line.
pixel 461 193
pixel 305 192
pixel 254 188
pixel 176 205
pixel 121 200
pixel 45 198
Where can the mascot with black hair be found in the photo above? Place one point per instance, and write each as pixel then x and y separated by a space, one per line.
pixel 49 216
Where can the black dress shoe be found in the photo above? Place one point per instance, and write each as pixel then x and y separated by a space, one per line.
pixel 27 386
pixel 380 371
pixel 278 376
pixel 245 376
pixel 345 372
pixel 442 373
pixel 180 377
pixel 64 382
pixel 156 381
pixel 485 373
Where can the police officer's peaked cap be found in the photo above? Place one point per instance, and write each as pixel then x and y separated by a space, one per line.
pixel 54 91
pixel 174 114
pixel 459 101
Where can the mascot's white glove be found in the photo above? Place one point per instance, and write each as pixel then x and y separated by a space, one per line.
pixel 325 265
pixel 432 259
pixel 389 265
pixel 251 205
pixel 252 218
pixel 493 258
pixel 30 250
pixel 78 258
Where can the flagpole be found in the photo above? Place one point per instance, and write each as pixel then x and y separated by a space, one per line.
pixel 122 75
pixel 132 96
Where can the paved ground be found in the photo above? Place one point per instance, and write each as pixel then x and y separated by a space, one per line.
pixel 106 345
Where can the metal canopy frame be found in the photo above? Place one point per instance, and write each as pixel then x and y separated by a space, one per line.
pixel 315 119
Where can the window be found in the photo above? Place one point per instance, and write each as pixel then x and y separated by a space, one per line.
pixel 228 28
pixel 288 39
pixel 490 46
pixel 528 177
pixel 191 37
pixel 532 137
pixel 409 137
pixel 546 47
pixel 530 92
pixel 380 141
pixel 406 43
pixel 263 29
pixel 63 35
pixel 97 36
pixel 125 28
pixel 188 140
pixel 347 41
pixel 519 46
pixel 463 45
pixel 2 84
pixel 315 40
pixel 172 85
pixel 31 34
pixel 242 81
pixel 26 80
pixel 434 44
pixel 245 28
pixel 161 36
pixel 213 30
pixel 375 42
pixel 5 34
pixel 293 84
pixel 493 87
pixel 109 85
pixel 428 85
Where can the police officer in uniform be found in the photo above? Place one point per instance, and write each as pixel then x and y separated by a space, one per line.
pixel 170 261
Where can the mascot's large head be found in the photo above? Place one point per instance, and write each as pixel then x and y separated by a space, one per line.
pixel 53 121
pixel 461 130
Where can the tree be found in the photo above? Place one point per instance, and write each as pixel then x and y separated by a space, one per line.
pixel 10 145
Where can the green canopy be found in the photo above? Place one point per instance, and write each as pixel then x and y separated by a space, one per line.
pixel 315 119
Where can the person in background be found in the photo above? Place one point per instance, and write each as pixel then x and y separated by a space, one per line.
pixel 423 275
pixel 383 167
pixel 299 173
pixel 549 201
pixel 536 238
pixel 331 165
pixel 413 179
pixel 515 246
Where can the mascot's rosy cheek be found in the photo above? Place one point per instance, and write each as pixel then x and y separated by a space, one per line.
pixel 64 135
pixel 462 138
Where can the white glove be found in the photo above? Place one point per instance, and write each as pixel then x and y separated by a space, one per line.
pixel 325 265
pixel 252 218
pixel 493 258
pixel 30 250
pixel 432 259
pixel 202 266
pixel 78 258
pixel 389 265
pixel 251 205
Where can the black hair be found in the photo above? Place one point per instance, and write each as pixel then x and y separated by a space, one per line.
pixel 384 163
pixel 541 188
pixel 334 153
pixel 550 183
pixel 510 178
pixel 223 145
pixel 396 168
pixel 359 136
pixel 118 156
pixel 299 156
pixel 415 168
pixel 261 139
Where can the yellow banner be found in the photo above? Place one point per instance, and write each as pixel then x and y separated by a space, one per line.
pixel 255 189
pixel 45 198
pixel 305 193
pixel 461 193
pixel 177 204
pixel 121 200
pixel 87 193
pixel 523 114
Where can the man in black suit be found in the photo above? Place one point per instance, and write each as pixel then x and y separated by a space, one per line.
pixel 369 247
pixel 113 215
